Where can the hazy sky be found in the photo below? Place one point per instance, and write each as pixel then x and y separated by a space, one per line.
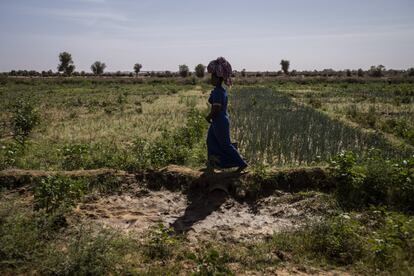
pixel 160 34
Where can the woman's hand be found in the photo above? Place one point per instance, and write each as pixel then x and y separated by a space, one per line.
pixel 208 118
pixel 215 110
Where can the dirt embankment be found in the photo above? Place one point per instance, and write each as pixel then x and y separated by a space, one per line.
pixel 223 205
pixel 183 178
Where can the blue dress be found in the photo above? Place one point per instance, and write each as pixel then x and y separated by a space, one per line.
pixel 220 149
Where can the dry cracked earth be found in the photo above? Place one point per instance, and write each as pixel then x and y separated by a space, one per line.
pixel 200 214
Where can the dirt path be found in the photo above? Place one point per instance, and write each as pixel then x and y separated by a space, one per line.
pixel 203 213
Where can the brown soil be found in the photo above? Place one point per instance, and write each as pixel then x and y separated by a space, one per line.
pixel 216 205
pixel 219 205
pixel 214 215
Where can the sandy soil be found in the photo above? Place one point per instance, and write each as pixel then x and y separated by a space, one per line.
pixel 199 214
pixel 193 204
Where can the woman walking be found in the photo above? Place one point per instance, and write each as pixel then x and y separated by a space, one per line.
pixel 221 152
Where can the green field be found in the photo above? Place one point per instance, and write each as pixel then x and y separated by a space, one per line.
pixel 275 124
pixel 337 154
pixel 273 129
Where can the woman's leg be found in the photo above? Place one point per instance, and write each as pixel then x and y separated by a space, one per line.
pixel 213 148
pixel 229 156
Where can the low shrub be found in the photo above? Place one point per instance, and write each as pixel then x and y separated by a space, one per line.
pixel 74 156
pixel 375 181
pixel 54 192
pixel 391 244
pixel 9 154
pixel 211 262
pixel 25 118
pixel 25 235
pixel 59 192
pixel 89 254
pixel 400 128
pixel 370 242
pixel 160 244
pixel 337 240
pixel 172 147
pixel 31 242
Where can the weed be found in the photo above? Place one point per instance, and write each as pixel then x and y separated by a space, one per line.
pixel 74 156
pixel 25 118
pixel 89 253
pixel 9 153
pixel 212 262
pixel 161 243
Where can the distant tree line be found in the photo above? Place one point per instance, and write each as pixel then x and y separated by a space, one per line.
pixel 66 67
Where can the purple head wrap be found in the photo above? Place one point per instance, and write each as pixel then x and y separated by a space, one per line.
pixel 222 68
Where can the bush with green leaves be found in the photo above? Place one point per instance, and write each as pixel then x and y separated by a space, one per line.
pixel 25 118
pixel 337 240
pixel 375 181
pixel 392 241
pixel 58 191
pixel 9 154
pixel 371 241
pixel 74 156
pixel 176 147
pixel 20 237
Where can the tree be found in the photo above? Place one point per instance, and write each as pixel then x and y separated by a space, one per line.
pixel 285 66
pixel 377 71
pixel 66 63
pixel 348 73
pixel 243 72
pixel 410 72
pixel 199 70
pixel 361 72
pixel 137 68
pixel 183 70
pixel 98 67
